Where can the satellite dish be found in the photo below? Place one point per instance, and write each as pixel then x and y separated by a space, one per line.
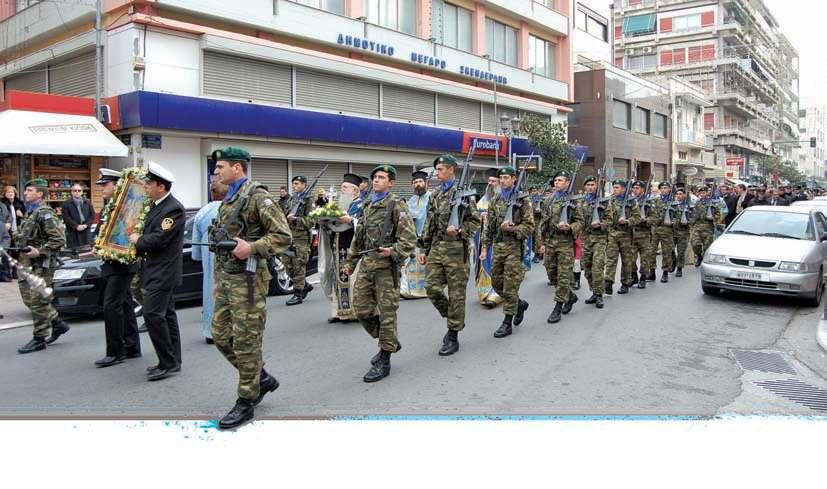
pixel 690 171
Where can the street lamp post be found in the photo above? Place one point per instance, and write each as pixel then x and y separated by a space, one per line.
pixel 510 126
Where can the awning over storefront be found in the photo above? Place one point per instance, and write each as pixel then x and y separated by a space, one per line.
pixel 29 132
pixel 639 24
pixel 735 181
pixel 713 172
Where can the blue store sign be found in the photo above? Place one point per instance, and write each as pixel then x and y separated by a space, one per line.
pixel 483 75
pixel 424 59
pixel 365 44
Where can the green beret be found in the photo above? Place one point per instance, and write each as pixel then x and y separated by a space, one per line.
pixel 37 183
pixel 508 170
pixel 301 178
pixel 703 189
pixel 230 154
pixel 390 170
pixel 562 173
pixel 620 182
pixel 664 185
pixel 588 179
pixel 446 159
pixel 639 183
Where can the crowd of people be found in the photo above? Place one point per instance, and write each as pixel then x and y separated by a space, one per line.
pixel 374 248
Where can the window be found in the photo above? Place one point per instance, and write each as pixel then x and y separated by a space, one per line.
pixel 621 114
pixel 639 25
pixel 502 42
pixel 453 27
pixel 394 14
pixel 641 120
pixel 574 115
pixel 593 25
pixel 335 6
pixel 541 56
pixel 659 126
pixel 640 62
pixel 686 23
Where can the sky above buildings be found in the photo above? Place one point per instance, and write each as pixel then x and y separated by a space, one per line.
pixel 804 22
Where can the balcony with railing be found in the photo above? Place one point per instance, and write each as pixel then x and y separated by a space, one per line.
pixel 686 137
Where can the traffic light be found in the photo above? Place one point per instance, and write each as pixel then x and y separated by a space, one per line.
pixel 812 142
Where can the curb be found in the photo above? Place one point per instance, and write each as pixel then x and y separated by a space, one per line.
pixel 19 324
pixel 821 334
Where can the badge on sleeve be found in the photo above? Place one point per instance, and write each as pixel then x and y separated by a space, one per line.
pixel 166 224
pixel 268 203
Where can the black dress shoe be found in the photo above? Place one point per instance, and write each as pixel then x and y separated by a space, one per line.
pixel 108 361
pixel 296 299
pixel 35 344
pixel 569 303
pixel 58 328
pixel 624 289
pixel 209 341
pixel 142 328
pixel 267 384
pixel 679 272
pixel 522 307
pixel 241 413
pixel 450 344
pixel 162 373
pixel 376 357
pixel 134 354
pixel 381 369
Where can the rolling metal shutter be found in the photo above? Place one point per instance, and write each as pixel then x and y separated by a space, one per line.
pixel 270 172
pixel 232 76
pixel 408 104
pixel 488 116
pixel 327 91
pixel 36 80
pixel 75 76
pixel 332 177
pixel 458 113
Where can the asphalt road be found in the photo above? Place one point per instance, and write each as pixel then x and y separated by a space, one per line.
pixel 659 351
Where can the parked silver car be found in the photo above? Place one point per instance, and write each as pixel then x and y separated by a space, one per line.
pixel 770 250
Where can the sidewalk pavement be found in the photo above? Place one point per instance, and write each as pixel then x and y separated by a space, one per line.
pixel 15 314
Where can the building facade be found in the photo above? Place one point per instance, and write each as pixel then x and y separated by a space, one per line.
pixel 301 84
pixel 734 51
pixel 812 124
pixel 592 34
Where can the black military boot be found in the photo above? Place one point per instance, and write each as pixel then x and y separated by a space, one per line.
pixel 241 413
pixel 679 272
pixel 381 369
pixel 376 357
pixel 58 328
pixel 522 306
pixel 599 302
pixel 296 299
pixel 556 314
pixel 576 283
pixel 35 344
pixel 450 344
pixel 569 303
pixel 664 277
pixel 266 384
pixel 642 282
pixel 307 289
pixel 607 289
pixel 592 299
pixel 651 276
pixel 505 328
pixel 634 278
pixel 624 289
pixel 698 260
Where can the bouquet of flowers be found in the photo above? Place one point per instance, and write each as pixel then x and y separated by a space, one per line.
pixel 327 213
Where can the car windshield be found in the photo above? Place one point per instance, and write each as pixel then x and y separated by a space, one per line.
pixel 774 224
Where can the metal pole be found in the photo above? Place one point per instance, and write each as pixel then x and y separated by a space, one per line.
pixel 98 48
pixel 496 128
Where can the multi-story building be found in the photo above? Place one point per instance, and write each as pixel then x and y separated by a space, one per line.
pixel 813 161
pixel 691 146
pixel 731 49
pixel 300 83
pixel 591 36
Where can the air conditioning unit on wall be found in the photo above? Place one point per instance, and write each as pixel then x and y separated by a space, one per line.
pixel 630 52
pixel 648 49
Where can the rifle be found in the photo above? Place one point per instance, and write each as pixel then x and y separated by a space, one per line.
pixel 36 283
pixel 625 202
pixel 646 192
pixel 568 200
pixel 516 195
pixel 298 207
pixel 599 202
pixel 249 269
pixel 459 201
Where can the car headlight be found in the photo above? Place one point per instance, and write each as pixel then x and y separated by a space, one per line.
pixel 710 258
pixel 791 266
pixel 68 273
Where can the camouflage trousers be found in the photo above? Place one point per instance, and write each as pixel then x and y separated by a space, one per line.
pixel 375 300
pixel 701 238
pixel 538 239
pixel 559 262
pixel 642 247
pixel 507 273
pixel 43 312
pixel 594 260
pixel 663 236
pixel 448 267
pixel 681 244
pixel 297 265
pixel 238 327
pixel 620 244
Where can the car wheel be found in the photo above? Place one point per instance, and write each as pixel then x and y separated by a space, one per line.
pixel 710 290
pixel 815 300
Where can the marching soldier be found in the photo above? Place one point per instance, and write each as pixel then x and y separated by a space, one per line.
pixel 662 231
pixel 641 233
pixel 446 252
pixel 300 226
pixel 559 226
pixel 704 218
pixel 621 217
pixel 39 238
pixel 680 230
pixel 595 235
pixel 384 238
pixel 249 216
pixel 508 238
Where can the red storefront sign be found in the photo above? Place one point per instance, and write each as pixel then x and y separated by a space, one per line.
pixel 486 144
pixel 739 161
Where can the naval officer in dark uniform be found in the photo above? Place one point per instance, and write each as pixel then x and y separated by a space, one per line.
pixel 160 246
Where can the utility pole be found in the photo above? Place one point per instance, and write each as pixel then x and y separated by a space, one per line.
pixel 98 61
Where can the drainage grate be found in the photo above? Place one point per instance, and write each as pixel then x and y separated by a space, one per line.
pixel 798 392
pixel 762 362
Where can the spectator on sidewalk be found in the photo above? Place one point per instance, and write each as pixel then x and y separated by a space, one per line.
pixel 77 213
pixel 202 221
pixel 16 210
pixel 5 242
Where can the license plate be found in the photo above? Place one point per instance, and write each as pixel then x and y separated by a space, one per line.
pixel 750 276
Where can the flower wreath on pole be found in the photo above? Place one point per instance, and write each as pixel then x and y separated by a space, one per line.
pixel 123 215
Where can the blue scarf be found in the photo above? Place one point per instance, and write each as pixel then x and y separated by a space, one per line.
pixel 506 194
pixel 559 194
pixel 619 198
pixel 377 196
pixel 31 206
pixel 233 188
pixel 446 186
pixel 666 198
pixel 590 198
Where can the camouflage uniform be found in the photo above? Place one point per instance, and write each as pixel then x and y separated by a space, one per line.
pixel 448 257
pixel 663 234
pixel 620 242
pixel 681 234
pixel 559 252
pixel 40 229
pixel 238 326
pixel 642 237
pixel 594 245
pixel 507 270
pixel 300 230
pixel 376 290
pixel 703 227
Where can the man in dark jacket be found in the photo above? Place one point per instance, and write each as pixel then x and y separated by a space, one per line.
pixel 160 245
pixel 77 213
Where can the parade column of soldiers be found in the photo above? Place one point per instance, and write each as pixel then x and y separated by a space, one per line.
pixel 295 259
pixel 595 235
pixel 705 215
pixel 619 215
pixel 662 230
